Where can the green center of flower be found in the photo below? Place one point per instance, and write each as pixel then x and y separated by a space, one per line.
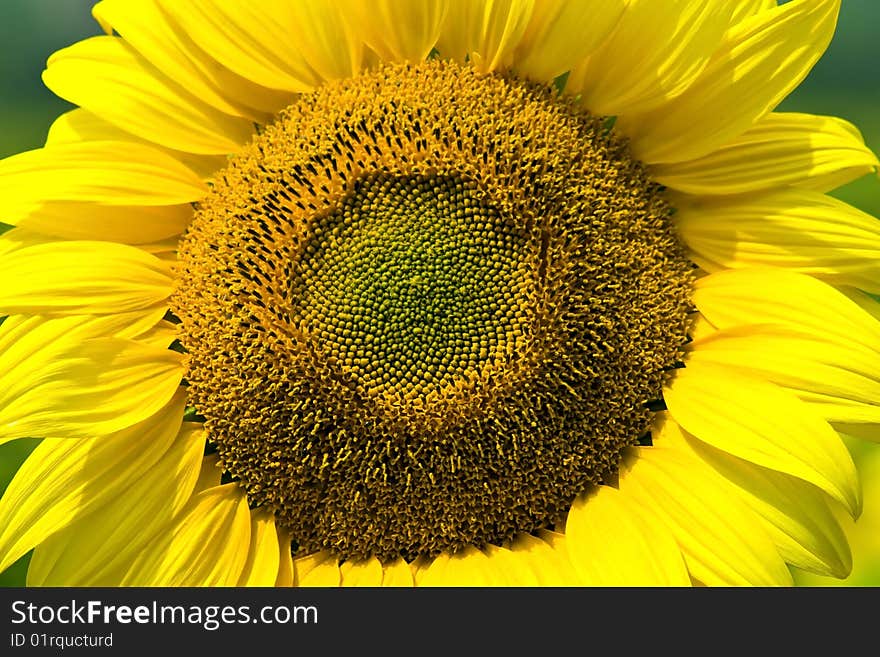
pixel 412 284
pixel 426 309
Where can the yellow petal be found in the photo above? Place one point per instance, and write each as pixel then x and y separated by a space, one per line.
pixel 109 78
pixel 285 566
pixel 82 277
pixel 759 422
pixel 318 569
pixel 864 301
pixel 210 473
pixel 815 152
pixel 22 336
pixel 547 558
pixel 613 542
pixel 722 540
pixel 165 250
pixel 361 573
pixel 676 39
pixel 398 574
pixel 700 327
pixel 845 415
pixel 561 33
pixel 63 480
pixel 18 238
pixel 469 567
pixel 73 220
pixel 796 361
pixel 147 28
pixel 331 45
pixel 738 297
pixel 758 62
pixel 86 389
pixel 206 545
pixel 132 224
pixel 161 335
pixel 869 431
pixel 106 173
pixel 517 567
pixel 258 41
pixel 398 30
pixel 98 549
pixel 798 230
pixel 840 379
pixel 743 9
pixel 263 559
pixel 485 31
pixel 796 515
pixel 80 125
pixel 29 344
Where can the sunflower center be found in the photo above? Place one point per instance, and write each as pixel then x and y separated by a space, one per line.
pixel 427 308
pixel 411 284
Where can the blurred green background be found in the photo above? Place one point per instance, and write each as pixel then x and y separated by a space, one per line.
pixel 845 83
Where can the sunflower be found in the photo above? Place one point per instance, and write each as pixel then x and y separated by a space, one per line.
pixel 438 293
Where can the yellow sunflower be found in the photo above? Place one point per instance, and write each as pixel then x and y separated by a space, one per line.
pixel 473 292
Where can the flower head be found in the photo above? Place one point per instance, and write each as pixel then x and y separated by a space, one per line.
pixel 465 292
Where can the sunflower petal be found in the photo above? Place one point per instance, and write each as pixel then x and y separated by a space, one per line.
pixel 106 76
pixel 263 559
pixel 258 41
pixel 63 480
pixel 398 30
pixel 87 389
pixel 515 565
pixel 82 277
pixel 743 9
pixel 318 569
pixel 18 238
pixel 285 566
pixel 161 335
pixel 795 361
pixel 98 549
pixel 547 558
pixel 759 422
pixel 79 125
pixel 75 220
pixel 866 302
pixel 17 345
pixel 329 43
pixel 206 545
pixel 814 152
pixel 361 573
pixel 148 29
pixel 31 344
pixel 469 567
pixel 841 381
pixel 797 230
pixel 849 417
pixel 722 541
pixel 738 297
pixel 555 39
pixel 398 574
pixel 758 62
pixel 485 31
pixel 676 40
pixel 87 173
pixel 613 543
pixel 796 515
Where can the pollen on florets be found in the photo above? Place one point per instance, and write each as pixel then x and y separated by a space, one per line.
pixel 426 308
